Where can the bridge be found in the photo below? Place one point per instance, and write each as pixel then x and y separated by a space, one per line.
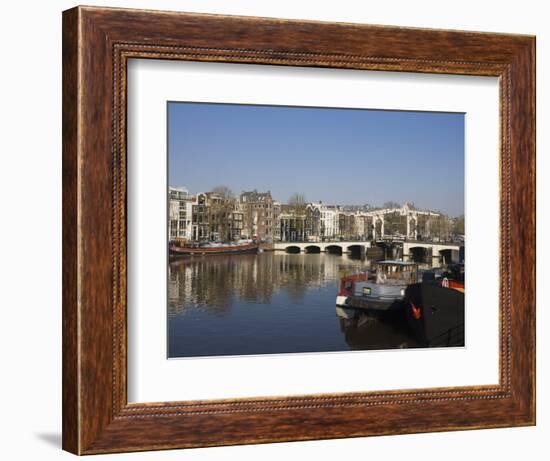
pixel 337 247
pixel 419 251
pixel 424 251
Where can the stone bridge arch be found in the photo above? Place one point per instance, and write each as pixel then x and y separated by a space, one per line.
pixel 356 250
pixel 448 255
pixel 420 254
pixel 334 249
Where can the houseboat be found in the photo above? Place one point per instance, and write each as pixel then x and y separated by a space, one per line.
pixel 381 289
pixel 435 311
pixel 202 249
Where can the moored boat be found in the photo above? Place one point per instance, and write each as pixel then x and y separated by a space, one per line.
pixel 248 247
pixel 380 290
pixel 435 312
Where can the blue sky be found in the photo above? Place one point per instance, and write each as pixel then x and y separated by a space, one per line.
pixel 341 156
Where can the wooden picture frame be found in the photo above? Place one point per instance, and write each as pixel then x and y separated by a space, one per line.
pixel 97 43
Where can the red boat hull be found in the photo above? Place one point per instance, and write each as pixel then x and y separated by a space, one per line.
pixel 221 250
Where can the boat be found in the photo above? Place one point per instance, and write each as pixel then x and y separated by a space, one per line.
pixel 379 290
pixel 196 249
pixel 435 311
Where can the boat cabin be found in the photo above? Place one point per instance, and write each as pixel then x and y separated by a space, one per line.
pixel 381 289
pixel 396 272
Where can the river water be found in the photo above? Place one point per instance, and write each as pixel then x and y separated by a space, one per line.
pixel 269 303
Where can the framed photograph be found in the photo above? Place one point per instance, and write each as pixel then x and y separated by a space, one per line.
pixel 282 230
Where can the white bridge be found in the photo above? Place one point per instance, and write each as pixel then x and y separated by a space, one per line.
pixel 429 252
pixel 336 247
pixel 423 251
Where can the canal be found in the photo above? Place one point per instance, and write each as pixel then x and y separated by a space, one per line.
pixel 270 303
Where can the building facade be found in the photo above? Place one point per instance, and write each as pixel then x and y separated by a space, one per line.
pixel 408 223
pixel 260 216
pixel 200 225
pixel 322 221
pixel 293 223
pixel 179 213
pixel 219 217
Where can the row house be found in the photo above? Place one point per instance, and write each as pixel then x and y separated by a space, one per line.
pixel 260 215
pixel 179 213
pixel 293 223
pixel 346 224
pixel 216 218
pixel 322 221
pixel 200 219
pixel 255 215
pixel 362 228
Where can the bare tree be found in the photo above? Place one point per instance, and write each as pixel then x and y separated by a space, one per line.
pixel 297 200
pixel 458 225
pixel 221 213
pixel 442 226
pixel 394 223
pixel 391 204
pixel 224 192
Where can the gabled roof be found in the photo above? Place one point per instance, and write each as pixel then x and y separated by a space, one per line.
pixel 255 196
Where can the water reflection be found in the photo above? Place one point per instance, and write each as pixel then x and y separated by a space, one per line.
pixel 214 282
pixel 363 332
pixel 268 303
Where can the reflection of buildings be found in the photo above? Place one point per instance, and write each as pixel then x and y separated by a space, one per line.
pixel 215 281
pixel 220 217
pixel 269 303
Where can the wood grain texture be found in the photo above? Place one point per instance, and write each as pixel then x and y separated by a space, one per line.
pixel 70 384
pixel 97 43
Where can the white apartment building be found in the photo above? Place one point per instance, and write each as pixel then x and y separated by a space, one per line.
pixel 328 219
pixel 180 210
